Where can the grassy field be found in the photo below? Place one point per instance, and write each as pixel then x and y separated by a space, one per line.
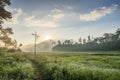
pixel 13 66
pixel 61 66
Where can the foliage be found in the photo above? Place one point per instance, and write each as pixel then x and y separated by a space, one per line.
pixel 108 42
pixel 4 14
pixel 78 66
pixel 60 66
pixel 5 39
pixel 15 67
pixel 11 50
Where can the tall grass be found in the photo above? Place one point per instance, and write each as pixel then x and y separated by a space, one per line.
pixel 65 66
pixel 60 66
pixel 15 67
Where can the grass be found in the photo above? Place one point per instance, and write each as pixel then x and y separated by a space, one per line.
pixel 60 66
pixel 15 67
pixel 78 66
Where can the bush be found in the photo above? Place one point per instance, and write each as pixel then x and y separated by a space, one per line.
pixel 11 50
pixel 19 50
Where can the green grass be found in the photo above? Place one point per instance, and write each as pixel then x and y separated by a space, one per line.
pixel 60 66
pixel 78 66
pixel 15 67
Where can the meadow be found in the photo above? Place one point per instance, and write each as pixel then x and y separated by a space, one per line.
pixel 61 66
pixel 13 66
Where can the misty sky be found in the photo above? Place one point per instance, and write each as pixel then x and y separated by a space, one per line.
pixel 63 19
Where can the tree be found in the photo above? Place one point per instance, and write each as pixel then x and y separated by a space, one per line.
pixel 101 39
pixel 89 38
pixel 84 41
pixel 66 42
pixel 14 44
pixel 4 14
pixel 71 41
pixel 59 42
pixel 6 40
pixel 107 42
pixel 107 36
pixel 118 33
pixel 95 40
pixel 80 40
pixel 5 31
pixel 4 36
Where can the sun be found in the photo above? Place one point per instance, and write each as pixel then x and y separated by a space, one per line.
pixel 47 37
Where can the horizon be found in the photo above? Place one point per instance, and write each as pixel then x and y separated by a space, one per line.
pixel 60 20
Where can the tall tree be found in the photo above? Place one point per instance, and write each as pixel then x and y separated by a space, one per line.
pixel 118 33
pixel 4 14
pixel 89 38
pixel 84 40
pixel 80 40
pixel 59 42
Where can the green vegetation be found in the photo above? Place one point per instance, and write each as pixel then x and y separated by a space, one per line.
pixel 77 66
pixel 15 67
pixel 5 40
pixel 60 66
pixel 108 42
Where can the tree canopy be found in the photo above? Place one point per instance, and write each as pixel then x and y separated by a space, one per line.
pixel 107 42
pixel 5 32
pixel 4 14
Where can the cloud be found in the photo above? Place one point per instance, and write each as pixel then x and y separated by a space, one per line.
pixel 67 7
pixel 33 22
pixel 97 13
pixel 52 19
pixel 17 15
pixel 22 18
pixel 57 14
pixel 49 20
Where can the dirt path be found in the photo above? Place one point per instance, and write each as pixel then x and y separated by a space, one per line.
pixel 36 66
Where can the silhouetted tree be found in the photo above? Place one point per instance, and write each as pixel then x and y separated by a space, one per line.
pixel 4 14
pixel 5 32
pixel 118 33
pixel 71 41
pixel 4 36
pixel 89 38
pixel 80 40
pixel 107 42
pixel 84 41
pixel 59 42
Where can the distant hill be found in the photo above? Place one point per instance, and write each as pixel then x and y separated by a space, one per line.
pixel 44 46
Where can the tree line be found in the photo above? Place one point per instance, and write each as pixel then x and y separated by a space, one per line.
pixel 107 42
pixel 6 42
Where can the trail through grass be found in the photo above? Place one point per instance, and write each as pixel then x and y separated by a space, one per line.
pixel 78 66
pixel 15 67
pixel 36 66
pixel 60 66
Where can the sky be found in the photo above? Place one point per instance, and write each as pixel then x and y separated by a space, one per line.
pixel 62 19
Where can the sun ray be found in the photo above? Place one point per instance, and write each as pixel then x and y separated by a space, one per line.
pixel 47 37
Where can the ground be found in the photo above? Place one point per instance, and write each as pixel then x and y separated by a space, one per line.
pixel 64 65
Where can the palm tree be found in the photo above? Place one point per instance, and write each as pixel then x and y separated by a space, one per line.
pixel 59 42
pixel 89 38
pixel 84 40
pixel 80 40
pixel 118 33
